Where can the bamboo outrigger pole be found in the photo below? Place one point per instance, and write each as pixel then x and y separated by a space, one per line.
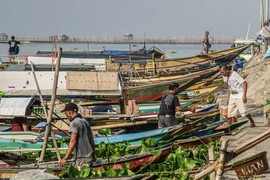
pixel 45 110
pixel 49 119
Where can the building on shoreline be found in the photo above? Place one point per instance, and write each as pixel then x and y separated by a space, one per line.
pixel 119 39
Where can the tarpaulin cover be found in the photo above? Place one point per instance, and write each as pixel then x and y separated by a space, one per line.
pixel 14 106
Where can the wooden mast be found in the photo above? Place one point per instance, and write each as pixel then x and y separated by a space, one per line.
pixel 49 119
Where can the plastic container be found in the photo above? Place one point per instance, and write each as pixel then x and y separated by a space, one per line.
pixel 223 110
pixel 239 63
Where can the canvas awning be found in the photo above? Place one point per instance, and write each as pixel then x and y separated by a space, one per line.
pixel 15 106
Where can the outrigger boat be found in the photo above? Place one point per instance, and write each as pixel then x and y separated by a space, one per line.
pixel 183 65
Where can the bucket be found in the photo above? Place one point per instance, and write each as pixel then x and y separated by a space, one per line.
pixel 223 110
pixel 252 165
pixel 239 63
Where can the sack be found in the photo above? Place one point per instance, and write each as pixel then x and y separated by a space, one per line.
pixel 16 50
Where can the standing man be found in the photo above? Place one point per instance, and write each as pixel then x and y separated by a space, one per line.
pixel 237 95
pixel 168 106
pixel 205 43
pixel 81 139
pixel 265 32
pixel 13 48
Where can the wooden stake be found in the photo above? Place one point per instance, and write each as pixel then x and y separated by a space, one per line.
pixel 220 169
pixel 266 116
pixel 49 120
pixel 211 156
pixel 45 111
pixel 237 151
pixel 205 172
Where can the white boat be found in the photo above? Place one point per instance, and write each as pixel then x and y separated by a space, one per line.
pixel 249 52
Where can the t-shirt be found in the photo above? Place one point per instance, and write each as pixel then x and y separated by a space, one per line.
pixel 265 32
pixel 205 41
pixel 83 147
pixel 168 104
pixel 235 83
pixel 17 123
pixel 12 45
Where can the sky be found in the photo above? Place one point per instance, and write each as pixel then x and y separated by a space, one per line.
pixel 152 18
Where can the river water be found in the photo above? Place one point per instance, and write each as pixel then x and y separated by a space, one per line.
pixel 171 50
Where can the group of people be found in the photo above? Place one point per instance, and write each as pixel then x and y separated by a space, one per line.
pixel 81 139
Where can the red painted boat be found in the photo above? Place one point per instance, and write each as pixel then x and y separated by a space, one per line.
pixel 135 161
pixel 196 141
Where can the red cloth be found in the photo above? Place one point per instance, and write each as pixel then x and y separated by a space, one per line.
pixel 17 122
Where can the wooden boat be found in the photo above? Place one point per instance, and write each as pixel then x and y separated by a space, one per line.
pixel 135 161
pixel 8 144
pixel 157 134
pixel 151 113
pixel 183 65
pixel 209 129
pixel 153 92
pixel 147 80
pixel 26 136
pixel 8 173
pixel 201 92
pixel 137 138
pixel 229 128
pixel 196 141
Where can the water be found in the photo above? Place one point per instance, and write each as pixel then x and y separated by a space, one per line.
pixel 171 50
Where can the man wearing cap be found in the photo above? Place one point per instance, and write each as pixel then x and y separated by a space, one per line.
pixel 81 139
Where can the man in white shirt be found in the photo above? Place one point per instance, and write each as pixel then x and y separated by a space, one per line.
pixel 237 95
pixel 265 32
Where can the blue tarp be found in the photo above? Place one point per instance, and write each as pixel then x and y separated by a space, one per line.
pixel 267 54
pixel 114 52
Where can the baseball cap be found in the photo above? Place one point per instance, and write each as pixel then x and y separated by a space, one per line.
pixel 70 107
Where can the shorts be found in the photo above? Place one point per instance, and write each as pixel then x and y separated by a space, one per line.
pixel 167 121
pixel 236 105
pixel 83 161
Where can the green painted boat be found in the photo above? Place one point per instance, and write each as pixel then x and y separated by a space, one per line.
pixel 231 127
pixel 11 144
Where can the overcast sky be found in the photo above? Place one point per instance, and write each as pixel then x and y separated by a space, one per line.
pixel 155 18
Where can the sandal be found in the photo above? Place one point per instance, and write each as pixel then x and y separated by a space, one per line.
pixel 252 125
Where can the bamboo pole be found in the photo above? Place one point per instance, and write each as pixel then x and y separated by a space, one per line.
pixel 45 110
pixel 237 151
pixel 49 120
pixel 267 11
pixel 211 156
pixel 250 143
pixel 205 172
pixel 220 169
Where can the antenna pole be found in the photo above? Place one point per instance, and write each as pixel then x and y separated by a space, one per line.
pixel 248 30
pixel 261 14
pixel 267 11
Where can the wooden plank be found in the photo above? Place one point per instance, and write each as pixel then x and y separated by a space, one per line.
pixel 92 80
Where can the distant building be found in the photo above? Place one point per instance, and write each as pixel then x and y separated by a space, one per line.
pixel 63 37
pixel 128 36
pixel 3 37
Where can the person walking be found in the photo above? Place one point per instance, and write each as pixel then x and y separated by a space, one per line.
pixel 237 95
pixel 205 43
pixel 81 140
pixel 265 32
pixel 168 107
pixel 13 49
